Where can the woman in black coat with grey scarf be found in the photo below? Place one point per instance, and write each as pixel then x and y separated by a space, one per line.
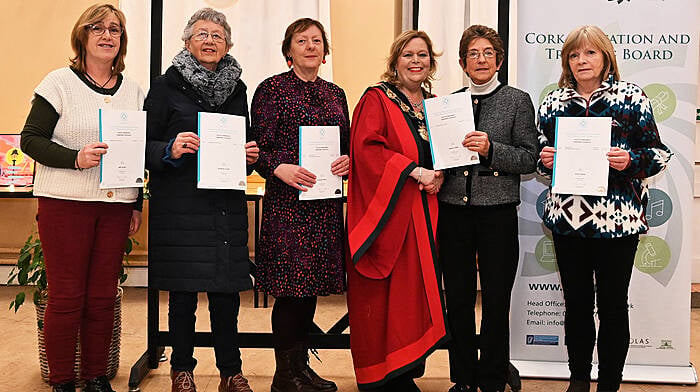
pixel 479 216
pixel 197 237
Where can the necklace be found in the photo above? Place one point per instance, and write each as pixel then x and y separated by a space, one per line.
pixel 418 113
pixel 95 82
pixel 417 106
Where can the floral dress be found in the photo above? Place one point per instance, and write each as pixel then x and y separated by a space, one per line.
pixel 300 251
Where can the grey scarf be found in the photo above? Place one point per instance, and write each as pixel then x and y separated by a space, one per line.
pixel 214 86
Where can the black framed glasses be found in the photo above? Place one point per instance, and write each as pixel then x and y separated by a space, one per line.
pixel 203 35
pixel 98 29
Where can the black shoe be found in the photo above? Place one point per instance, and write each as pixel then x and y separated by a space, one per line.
pixel 579 386
pixel 462 388
pixel 303 369
pixel 98 384
pixel 65 387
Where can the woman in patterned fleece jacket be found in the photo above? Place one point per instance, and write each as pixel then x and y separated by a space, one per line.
pixel 598 235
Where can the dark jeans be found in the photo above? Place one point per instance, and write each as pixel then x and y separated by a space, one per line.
pixel 223 316
pixel 83 244
pixel 492 233
pixel 590 269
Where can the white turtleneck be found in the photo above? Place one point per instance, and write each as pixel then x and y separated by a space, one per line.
pixel 483 89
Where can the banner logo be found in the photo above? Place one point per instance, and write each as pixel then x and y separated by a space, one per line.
pixel 663 101
pixel 542 340
pixel 653 254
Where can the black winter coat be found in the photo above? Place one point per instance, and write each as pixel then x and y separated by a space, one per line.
pixel 197 238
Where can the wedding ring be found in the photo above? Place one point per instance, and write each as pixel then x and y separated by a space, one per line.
pixel 184 145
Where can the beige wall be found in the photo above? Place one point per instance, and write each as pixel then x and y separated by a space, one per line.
pixel 362 31
pixel 35 39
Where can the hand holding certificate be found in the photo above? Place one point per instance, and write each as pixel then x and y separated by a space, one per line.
pixel 449 118
pixel 319 147
pixel 124 131
pixel 221 155
pixel 581 166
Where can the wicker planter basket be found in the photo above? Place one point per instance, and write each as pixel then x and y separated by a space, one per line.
pixel 112 360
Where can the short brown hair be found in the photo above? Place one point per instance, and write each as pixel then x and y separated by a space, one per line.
pixel 79 36
pixel 592 35
pixel 298 26
pixel 397 47
pixel 480 31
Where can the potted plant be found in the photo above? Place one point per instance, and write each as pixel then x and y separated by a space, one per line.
pixel 31 270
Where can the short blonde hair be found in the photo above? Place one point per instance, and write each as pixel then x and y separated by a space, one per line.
pixel 79 36
pixel 397 47
pixel 577 38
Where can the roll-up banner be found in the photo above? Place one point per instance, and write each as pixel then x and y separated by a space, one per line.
pixel 656 43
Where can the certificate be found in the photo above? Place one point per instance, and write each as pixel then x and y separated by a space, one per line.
pixel 124 132
pixel 318 148
pixel 221 162
pixel 449 118
pixel 580 163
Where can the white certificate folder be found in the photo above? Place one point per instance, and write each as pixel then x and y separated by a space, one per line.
pixel 580 163
pixel 124 132
pixel 319 147
pixel 221 156
pixel 449 119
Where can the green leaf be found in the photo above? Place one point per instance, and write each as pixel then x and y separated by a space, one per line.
pixel 129 246
pixel 23 260
pixel 22 278
pixel 19 300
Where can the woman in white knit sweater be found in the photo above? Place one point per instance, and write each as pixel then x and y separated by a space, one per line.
pixel 83 228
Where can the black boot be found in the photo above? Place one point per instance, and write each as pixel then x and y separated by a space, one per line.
pixel 98 384
pixel 65 387
pixel 579 386
pixel 302 363
pixel 287 377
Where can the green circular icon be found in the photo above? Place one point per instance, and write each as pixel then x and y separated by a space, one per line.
pixel 544 253
pixel 548 89
pixel 663 100
pixel 653 254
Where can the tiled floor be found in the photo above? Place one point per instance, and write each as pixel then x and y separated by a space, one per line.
pixel 19 369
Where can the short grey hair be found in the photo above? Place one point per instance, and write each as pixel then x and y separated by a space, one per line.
pixel 212 16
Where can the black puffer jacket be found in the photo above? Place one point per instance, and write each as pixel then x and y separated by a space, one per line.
pixel 197 237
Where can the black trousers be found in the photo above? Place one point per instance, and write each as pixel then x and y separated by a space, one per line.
pixel 492 234
pixel 223 316
pixel 596 269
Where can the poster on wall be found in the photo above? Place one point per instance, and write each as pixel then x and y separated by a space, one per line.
pixel 656 44
pixel 16 167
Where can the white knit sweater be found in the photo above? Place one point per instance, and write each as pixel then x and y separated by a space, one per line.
pixel 78 106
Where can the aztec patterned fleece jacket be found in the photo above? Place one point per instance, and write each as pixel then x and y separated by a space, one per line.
pixel 622 211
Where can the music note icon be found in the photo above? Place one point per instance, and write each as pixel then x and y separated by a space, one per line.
pixel 656 208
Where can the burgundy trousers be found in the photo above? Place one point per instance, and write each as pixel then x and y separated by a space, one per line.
pixel 83 244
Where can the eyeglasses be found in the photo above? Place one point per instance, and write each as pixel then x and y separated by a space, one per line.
pixel 203 35
pixel 98 29
pixel 475 54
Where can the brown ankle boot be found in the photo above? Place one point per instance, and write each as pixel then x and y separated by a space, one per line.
pixel 236 383
pixel 287 377
pixel 182 381
pixel 302 362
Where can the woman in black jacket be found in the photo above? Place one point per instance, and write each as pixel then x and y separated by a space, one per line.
pixel 197 237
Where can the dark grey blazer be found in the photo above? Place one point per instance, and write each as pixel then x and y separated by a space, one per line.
pixel 507 115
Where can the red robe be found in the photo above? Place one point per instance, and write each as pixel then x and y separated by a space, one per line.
pixel 394 300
